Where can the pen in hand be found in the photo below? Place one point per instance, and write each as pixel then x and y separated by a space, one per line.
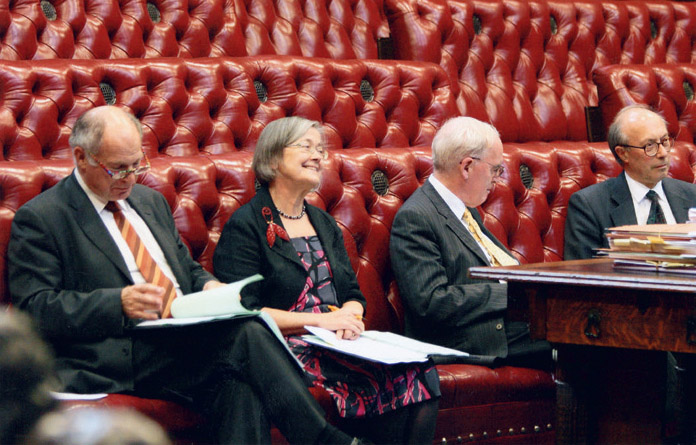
pixel 333 308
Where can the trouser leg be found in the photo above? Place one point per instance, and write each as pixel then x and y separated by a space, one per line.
pixel 191 363
pixel 236 415
pixel 267 368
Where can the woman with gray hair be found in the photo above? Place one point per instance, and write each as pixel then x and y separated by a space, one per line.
pixel 309 281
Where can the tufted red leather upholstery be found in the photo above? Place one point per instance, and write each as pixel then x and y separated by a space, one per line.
pixel 666 88
pixel 526 66
pixel 211 105
pixel 113 29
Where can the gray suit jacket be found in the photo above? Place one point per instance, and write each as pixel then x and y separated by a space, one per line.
pixel 66 271
pixel 431 253
pixel 594 209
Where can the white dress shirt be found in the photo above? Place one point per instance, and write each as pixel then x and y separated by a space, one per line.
pixel 141 229
pixel 641 204
pixel 458 208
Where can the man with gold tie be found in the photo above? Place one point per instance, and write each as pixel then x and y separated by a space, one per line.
pixel 95 254
pixel 438 234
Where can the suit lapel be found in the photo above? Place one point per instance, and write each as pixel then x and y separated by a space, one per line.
pixel 92 225
pixel 453 222
pixel 280 246
pixel 622 212
pixel 677 203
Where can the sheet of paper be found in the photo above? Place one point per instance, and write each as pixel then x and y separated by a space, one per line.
pixel 364 347
pixel 219 301
pixel 191 320
pixel 73 396
pixel 383 347
pixel 412 344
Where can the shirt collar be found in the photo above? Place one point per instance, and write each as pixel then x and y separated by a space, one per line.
pixel 638 190
pixel 96 201
pixel 453 202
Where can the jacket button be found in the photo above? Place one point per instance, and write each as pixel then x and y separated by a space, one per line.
pixel 499 326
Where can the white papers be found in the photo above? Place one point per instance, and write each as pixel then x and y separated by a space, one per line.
pixel 74 396
pixel 219 301
pixel 377 346
pixel 191 320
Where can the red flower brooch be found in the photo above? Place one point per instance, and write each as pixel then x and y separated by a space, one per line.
pixel 273 228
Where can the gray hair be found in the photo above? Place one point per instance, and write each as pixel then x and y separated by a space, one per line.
pixel 460 137
pixel 88 130
pixel 615 134
pixel 273 140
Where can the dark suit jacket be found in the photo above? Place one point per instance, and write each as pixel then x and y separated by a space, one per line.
pixel 431 252
pixel 609 204
pixel 243 250
pixel 65 269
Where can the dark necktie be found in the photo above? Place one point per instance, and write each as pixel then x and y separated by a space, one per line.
pixel 656 216
pixel 148 267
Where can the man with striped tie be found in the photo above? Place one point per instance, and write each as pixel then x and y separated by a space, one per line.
pixel 97 252
pixel 438 234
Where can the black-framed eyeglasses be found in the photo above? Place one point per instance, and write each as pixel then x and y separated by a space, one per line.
pixel 309 149
pixel 496 169
pixel 651 148
pixel 117 175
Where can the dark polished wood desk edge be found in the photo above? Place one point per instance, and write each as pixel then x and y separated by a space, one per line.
pixel 591 272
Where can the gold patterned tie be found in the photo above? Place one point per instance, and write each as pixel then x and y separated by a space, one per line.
pixel 148 267
pixel 498 256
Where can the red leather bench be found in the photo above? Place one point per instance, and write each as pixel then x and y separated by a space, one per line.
pixel 113 29
pixel 526 66
pixel 201 119
pixel 220 105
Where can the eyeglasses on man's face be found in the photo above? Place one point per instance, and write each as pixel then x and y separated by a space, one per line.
pixel 496 169
pixel 310 149
pixel 117 175
pixel 651 148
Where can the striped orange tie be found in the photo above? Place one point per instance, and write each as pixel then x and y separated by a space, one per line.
pixel 148 267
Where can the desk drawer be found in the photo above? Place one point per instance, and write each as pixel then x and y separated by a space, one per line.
pixel 629 321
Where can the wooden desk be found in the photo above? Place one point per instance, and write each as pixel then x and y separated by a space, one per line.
pixel 608 327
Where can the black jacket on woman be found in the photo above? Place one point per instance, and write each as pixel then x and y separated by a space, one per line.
pixel 243 250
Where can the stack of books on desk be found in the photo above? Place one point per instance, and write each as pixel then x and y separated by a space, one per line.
pixel 661 247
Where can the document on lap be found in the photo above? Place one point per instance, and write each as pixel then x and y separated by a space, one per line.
pixel 378 346
pixel 220 303
pixel 214 304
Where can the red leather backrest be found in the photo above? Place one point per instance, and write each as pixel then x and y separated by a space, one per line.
pixel 526 66
pixel 112 29
pixel 212 106
pixel 669 89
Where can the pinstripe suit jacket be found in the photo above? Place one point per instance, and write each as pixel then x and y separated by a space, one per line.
pixel 431 253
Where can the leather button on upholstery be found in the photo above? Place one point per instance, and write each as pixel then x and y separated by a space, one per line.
pixel 499 326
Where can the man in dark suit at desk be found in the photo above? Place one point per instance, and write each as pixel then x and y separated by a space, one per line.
pixel 97 252
pixel 641 194
pixel 438 234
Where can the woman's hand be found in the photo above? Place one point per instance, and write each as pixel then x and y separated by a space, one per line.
pixel 346 321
